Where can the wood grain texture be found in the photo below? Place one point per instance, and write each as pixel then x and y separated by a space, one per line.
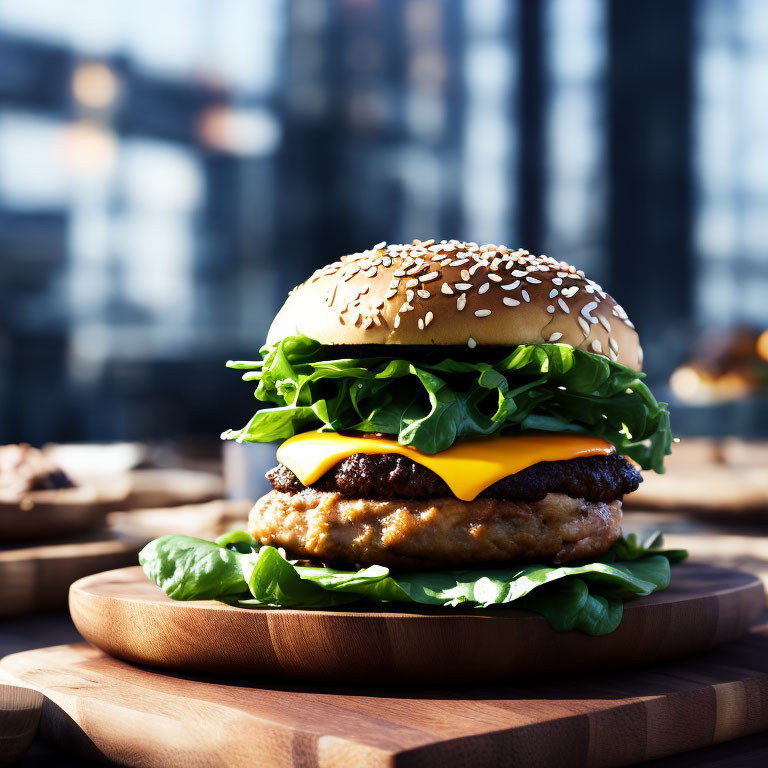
pixel 20 710
pixel 34 579
pixel 100 706
pixel 127 616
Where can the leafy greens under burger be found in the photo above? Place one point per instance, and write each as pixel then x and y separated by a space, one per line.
pixel 236 569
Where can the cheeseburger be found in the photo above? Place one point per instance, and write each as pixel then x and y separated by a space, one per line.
pixel 452 416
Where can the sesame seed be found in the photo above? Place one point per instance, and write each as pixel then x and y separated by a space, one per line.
pixel 482 312
pixel 495 278
pixel 461 301
pixel 597 346
pixel 553 293
pixel 555 337
pixel 584 326
pixel 391 293
pixel 405 308
pixel 463 286
pixel 465 275
pixel 483 288
pixel 412 283
pixel 614 345
pixel 409 295
pixel 421 323
pixel 550 309
pixel 518 273
pixel 564 306
pixel 459 262
pixel 427 243
pixel 533 279
pixel 614 356
pixel 399 273
pixel 586 309
pixel 397 321
pixel 605 323
pixel 510 286
pixel 371 272
pixel 428 318
pixel 423 294
pixel 430 276
pixel 525 295
pixel 471 343
pixel 446 289
pixel 557 280
pixel 511 302
pixel 379 246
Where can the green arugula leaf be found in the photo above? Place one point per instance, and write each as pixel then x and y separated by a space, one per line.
pixel 236 569
pixel 431 405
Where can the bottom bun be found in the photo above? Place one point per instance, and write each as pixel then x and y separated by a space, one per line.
pixel 434 533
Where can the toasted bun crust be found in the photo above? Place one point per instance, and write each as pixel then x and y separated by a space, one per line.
pixel 457 293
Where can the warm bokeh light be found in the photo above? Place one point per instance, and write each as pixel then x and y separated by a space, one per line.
pixel 95 85
pixel 695 386
pixel 762 345
pixel 239 131
pixel 89 149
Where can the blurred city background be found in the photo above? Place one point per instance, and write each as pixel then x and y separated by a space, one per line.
pixel 168 170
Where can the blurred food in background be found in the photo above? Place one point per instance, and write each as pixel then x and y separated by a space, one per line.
pixel 39 500
pixel 70 510
pixel 724 365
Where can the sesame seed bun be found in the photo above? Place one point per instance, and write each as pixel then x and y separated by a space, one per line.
pixel 453 292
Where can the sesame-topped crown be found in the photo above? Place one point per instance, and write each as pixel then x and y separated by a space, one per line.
pixel 454 292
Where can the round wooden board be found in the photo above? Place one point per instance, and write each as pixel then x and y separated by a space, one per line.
pixel 20 710
pixel 127 616
pixel 36 579
pixel 45 515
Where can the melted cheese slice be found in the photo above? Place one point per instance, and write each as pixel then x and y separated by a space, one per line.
pixel 467 468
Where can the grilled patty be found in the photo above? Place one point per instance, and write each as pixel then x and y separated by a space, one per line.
pixel 434 533
pixel 391 476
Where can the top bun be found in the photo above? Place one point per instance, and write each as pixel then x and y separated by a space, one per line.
pixel 457 293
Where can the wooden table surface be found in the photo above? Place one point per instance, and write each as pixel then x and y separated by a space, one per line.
pixel 35 632
pixel 733 546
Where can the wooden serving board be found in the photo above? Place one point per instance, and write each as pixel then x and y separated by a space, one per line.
pixel 100 707
pixel 34 579
pixel 20 710
pixel 127 616
pixel 63 512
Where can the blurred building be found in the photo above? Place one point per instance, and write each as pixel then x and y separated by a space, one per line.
pixel 169 170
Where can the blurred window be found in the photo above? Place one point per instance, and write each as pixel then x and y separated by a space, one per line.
pixel 731 162
pixel 575 144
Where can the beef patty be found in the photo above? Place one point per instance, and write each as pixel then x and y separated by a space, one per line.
pixel 434 533
pixel 391 476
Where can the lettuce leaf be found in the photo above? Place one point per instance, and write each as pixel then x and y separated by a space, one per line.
pixel 236 569
pixel 431 405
